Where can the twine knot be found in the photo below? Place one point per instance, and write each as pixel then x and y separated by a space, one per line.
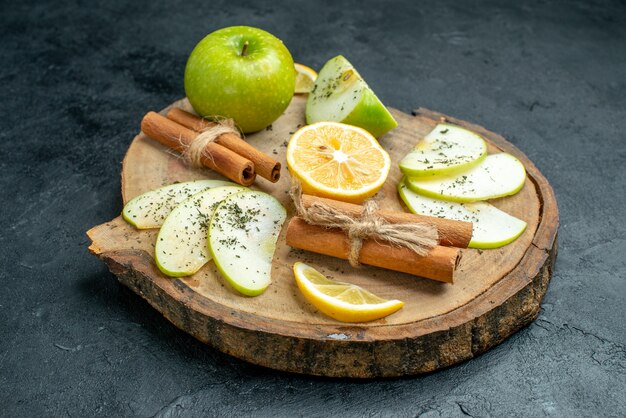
pixel 418 237
pixel 194 153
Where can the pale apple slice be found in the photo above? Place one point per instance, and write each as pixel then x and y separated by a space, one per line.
pixel 341 95
pixel 150 209
pixel 181 246
pixel 242 239
pixel 495 176
pixel 446 149
pixel 492 228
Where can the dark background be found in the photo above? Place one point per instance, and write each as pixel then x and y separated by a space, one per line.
pixel 75 80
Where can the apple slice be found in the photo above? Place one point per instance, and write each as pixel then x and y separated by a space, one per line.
pixel 446 149
pixel 495 176
pixel 341 95
pixel 181 246
pixel 492 228
pixel 150 209
pixel 242 239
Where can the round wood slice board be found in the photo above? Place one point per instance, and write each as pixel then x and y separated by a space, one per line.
pixel 495 293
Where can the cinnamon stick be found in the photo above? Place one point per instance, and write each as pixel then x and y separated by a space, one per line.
pixel 264 165
pixel 215 156
pixel 439 264
pixel 451 233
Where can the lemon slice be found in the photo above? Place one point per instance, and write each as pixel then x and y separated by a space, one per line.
pixel 337 161
pixel 342 301
pixel 305 78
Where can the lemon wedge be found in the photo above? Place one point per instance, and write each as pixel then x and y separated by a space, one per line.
pixel 342 301
pixel 305 78
pixel 337 161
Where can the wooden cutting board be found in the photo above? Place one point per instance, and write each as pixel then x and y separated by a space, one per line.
pixel 496 292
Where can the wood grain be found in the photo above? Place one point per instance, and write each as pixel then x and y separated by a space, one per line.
pixel 496 292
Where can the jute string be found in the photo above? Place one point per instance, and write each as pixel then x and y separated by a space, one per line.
pixel 195 151
pixel 418 237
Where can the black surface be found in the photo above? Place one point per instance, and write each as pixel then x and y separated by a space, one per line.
pixel 76 77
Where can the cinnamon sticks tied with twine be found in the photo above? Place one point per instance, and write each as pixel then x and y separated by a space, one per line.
pixel 216 145
pixel 414 244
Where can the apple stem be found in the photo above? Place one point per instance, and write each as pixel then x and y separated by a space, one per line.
pixel 244 49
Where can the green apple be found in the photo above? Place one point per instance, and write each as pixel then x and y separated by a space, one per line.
pixel 242 73
pixel 446 149
pixel 150 209
pixel 341 95
pixel 242 239
pixel 181 246
pixel 492 228
pixel 497 175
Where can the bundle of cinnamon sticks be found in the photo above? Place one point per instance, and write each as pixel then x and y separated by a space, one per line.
pixel 228 154
pixel 439 264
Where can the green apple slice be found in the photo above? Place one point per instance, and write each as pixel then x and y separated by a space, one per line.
pixel 242 239
pixel 446 149
pixel 341 95
pixel 495 176
pixel 150 209
pixel 492 228
pixel 181 246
